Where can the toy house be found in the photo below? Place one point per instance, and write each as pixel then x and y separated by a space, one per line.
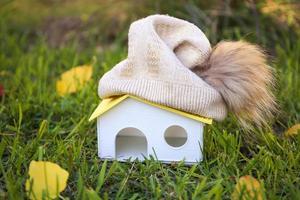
pixel 130 128
pixel 170 61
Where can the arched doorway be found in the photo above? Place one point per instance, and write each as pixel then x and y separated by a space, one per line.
pixel 131 143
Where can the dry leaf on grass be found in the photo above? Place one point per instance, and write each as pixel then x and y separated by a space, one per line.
pixel 294 130
pixel 1 90
pixel 283 12
pixel 246 188
pixel 46 180
pixel 73 79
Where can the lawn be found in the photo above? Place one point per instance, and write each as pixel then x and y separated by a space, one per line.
pixel 36 123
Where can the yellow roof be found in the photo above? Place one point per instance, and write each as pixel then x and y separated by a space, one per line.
pixel 107 104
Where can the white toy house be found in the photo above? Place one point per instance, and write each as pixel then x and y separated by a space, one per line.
pixel 132 128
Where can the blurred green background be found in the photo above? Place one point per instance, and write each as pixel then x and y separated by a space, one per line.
pixel 100 22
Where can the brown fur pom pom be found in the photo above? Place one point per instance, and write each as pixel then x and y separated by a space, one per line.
pixel 238 70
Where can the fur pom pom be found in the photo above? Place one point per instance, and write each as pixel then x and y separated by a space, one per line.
pixel 238 70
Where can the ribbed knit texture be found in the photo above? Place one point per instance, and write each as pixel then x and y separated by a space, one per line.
pixel 162 50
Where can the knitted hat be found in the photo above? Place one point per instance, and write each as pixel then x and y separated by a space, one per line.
pixel 161 52
pixel 166 57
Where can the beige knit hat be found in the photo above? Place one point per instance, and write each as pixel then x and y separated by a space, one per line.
pixel 166 59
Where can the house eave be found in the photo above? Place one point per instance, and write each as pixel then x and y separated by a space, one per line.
pixel 108 103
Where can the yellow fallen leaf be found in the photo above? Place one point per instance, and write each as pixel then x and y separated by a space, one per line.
pixel 73 79
pixel 46 179
pixel 284 12
pixel 246 188
pixel 294 130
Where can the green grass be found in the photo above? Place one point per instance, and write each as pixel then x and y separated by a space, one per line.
pixel 37 124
